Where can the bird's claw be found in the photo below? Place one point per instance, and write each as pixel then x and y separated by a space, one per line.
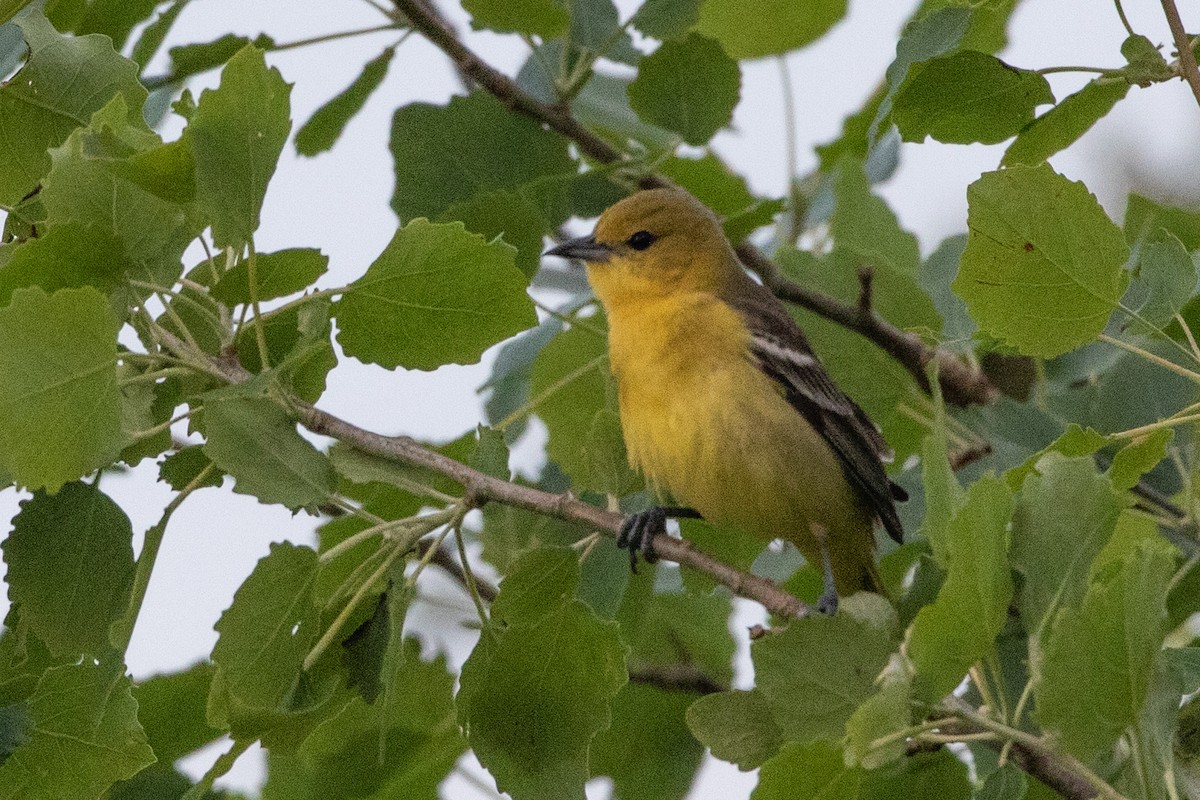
pixel 638 532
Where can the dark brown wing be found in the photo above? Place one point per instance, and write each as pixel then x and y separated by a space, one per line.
pixel 782 352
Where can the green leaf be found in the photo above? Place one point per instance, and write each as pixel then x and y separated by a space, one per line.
pixel 441 159
pixel 299 347
pixel 117 176
pixel 1166 278
pixel 191 59
pixel 541 581
pixel 647 751
pixel 436 295
pixel 725 192
pixel 171 710
pixel 689 86
pixel 115 18
pixel 936 33
pixel 543 18
pixel 814 771
pixel 60 415
pixel 155 33
pixel 265 634
pixel 863 223
pixel 279 274
pixel 755 28
pixel 884 713
pixel 83 737
pixel 960 627
pixel 535 693
pixel 400 749
pixel 736 726
pixel 595 25
pixel 1143 218
pixel 1006 783
pixel 1061 126
pixel 52 554
pixel 935 276
pixel 691 628
pixel 62 83
pixel 1075 441
pixel 940 774
pixel 817 671
pixel 667 19
pixel 236 136
pixel 10 8
pixel 1136 459
pixel 1064 515
pixel 255 441
pixel 967 97
pixel 574 395
pixel 507 214
pixel 1146 64
pixel 1043 265
pixel 1095 667
pixel 327 122
pixel 944 496
pixel 68 256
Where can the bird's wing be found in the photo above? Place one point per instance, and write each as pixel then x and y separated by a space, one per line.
pixel 782 352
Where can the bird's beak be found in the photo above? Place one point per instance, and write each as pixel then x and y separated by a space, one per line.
pixel 585 248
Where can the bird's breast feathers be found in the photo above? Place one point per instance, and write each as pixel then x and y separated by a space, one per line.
pixel 707 426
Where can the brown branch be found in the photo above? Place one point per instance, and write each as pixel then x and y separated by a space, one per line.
pixel 481 488
pixel 961 383
pixel 1187 58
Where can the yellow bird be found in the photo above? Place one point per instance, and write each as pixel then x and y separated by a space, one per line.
pixel 724 406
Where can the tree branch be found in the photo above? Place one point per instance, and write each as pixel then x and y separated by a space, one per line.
pixel 961 383
pixel 1187 59
pixel 481 489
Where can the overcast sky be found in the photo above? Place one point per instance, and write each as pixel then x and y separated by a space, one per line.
pixel 339 203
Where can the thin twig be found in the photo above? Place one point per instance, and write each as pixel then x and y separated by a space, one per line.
pixel 961 383
pixel 1187 59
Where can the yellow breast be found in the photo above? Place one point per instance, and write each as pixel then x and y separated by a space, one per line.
pixel 709 429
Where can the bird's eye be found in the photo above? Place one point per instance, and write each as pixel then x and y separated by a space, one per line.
pixel 641 240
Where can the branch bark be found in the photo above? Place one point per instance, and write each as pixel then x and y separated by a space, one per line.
pixel 1187 59
pixel 961 384
pixel 481 489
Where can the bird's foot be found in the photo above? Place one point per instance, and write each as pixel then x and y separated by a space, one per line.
pixel 638 531
pixel 827 603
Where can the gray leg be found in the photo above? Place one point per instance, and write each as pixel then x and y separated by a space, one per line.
pixel 828 601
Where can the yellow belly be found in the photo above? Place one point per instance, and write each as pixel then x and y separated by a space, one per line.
pixel 709 429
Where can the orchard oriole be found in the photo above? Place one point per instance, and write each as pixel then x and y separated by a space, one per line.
pixel 723 404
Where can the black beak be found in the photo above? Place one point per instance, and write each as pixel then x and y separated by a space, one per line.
pixel 585 248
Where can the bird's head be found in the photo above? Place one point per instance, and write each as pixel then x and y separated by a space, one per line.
pixel 657 242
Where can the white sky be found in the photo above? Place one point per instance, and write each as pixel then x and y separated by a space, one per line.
pixel 339 203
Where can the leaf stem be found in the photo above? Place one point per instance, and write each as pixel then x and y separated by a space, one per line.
pixel 299 301
pixel 908 733
pixel 123 630
pixel 472 586
pixel 260 334
pixel 1151 357
pixel 1124 19
pixel 550 391
pixel 335 627
pixel 1133 433
pixel 332 37
pixel 1074 68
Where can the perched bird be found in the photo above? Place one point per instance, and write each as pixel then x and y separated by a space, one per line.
pixel 724 406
